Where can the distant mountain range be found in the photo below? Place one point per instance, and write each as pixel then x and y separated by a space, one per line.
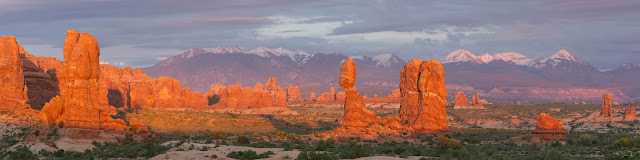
pixel 501 77
pixel 199 69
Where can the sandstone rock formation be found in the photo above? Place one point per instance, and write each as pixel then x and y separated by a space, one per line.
pixel 630 114
pixel 461 100
pixel 138 126
pixel 393 97
pixel 293 94
pixel 409 105
pixel 432 115
pixel 13 90
pixel 424 96
pixel 476 100
pixel 312 97
pixel 548 128
pixel 81 96
pixel 355 112
pixel 606 106
pixel 260 98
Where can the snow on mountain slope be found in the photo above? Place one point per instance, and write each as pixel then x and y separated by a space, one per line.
pixel 554 60
pixel 485 58
pixel 466 56
pixel 516 58
pixel 386 60
pixel 460 55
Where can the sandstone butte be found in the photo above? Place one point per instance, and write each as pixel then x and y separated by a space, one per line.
pixel 606 106
pixel 630 114
pixel 460 100
pixel 13 90
pixel 355 111
pixel 293 94
pixel 548 128
pixel 80 103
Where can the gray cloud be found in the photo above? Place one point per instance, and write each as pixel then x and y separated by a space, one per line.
pixel 603 33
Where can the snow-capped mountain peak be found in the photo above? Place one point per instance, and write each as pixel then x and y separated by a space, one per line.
pixel 516 58
pixel 219 50
pixel 261 51
pixel 235 49
pixel 564 55
pixel 460 55
pixel 386 60
pixel 485 58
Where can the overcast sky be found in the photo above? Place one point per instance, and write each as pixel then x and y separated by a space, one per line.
pixel 605 33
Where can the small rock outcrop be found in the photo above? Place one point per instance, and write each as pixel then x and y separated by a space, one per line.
pixel 461 100
pixel 293 94
pixel 606 106
pixel 355 112
pixel 630 114
pixel 548 128
pixel 13 90
pixel 477 102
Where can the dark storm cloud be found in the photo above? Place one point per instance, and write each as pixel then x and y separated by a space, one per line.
pixel 602 32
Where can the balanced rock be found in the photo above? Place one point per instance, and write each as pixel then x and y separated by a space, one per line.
pixel 13 90
pixel 355 111
pixel 606 106
pixel 548 128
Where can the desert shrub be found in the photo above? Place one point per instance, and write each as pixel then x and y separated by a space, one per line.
pixel 624 142
pixel 218 134
pixel 243 140
pixel 447 143
pixel 585 139
pixel 315 155
pixel 21 152
pixel 624 155
pixel 129 148
pixel 249 155
pixel 552 155
pixel 281 133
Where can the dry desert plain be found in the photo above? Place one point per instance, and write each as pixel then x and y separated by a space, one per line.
pixel 498 132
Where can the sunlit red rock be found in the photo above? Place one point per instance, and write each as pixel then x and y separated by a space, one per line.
pixel 461 99
pixel 312 97
pixel 476 100
pixel 606 106
pixel 432 115
pixel 548 128
pixel 293 94
pixel 82 97
pixel 260 98
pixel 630 114
pixel 138 126
pixel 410 105
pixel 355 112
pixel 13 90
